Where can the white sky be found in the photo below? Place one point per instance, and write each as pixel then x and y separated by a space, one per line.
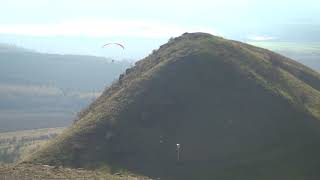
pixel 145 19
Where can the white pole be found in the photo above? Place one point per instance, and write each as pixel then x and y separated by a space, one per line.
pixel 178 151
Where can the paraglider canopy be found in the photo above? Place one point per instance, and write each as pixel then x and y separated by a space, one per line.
pixel 117 44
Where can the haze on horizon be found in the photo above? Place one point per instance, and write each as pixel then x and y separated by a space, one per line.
pixel 81 27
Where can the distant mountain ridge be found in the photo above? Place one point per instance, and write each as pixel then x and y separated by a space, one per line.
pixel 237 111
pixel 46 90
pixel 65 71
pixel 12 48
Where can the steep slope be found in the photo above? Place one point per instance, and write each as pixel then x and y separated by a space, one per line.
pixel 238 111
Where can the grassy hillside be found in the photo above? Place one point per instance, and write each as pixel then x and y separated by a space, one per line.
pixel 15 146
pixel 40 172
pixel 238 112
pixel 47 90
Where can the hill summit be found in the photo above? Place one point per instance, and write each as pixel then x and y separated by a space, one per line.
pixel 236 111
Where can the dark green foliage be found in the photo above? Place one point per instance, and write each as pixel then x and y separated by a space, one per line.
pixel 239 112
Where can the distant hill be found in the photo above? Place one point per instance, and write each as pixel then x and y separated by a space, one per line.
pixel 6 48
pixel 46 90
pixel 69 72
pixel 307 53
pixel 237 111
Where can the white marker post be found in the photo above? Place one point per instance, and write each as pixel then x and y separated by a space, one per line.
pixel 178 151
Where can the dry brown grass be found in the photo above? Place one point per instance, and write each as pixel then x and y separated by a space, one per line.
pixel 40 172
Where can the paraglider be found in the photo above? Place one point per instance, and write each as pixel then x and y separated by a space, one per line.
pixel 118 44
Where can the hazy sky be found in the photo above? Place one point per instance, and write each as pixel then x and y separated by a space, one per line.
pixel 82 26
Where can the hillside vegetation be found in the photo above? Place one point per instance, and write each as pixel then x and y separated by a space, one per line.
pixel 40 172
pixel 16 145
pixel 238 112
